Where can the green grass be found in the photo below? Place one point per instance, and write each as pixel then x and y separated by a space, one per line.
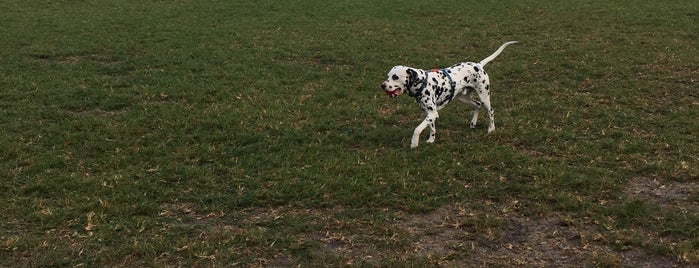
pixel 254 133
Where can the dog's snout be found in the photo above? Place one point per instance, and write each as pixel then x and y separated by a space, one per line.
pixel 383 86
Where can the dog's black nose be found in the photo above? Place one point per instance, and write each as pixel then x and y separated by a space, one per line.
pixel 383 86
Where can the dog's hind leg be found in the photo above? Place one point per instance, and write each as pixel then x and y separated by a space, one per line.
pixel 485 99
pixel 476 105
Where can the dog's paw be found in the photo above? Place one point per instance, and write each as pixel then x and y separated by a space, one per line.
pixel 430 140
pixel 472 125
pixel 413 145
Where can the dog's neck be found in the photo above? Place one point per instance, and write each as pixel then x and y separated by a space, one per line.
pixel 423 85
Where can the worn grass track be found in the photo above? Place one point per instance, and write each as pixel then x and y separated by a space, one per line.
pixel 254 133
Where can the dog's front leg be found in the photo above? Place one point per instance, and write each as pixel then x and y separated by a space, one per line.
pixel 430 118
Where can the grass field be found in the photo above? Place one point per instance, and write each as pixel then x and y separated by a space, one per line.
pixel 254 133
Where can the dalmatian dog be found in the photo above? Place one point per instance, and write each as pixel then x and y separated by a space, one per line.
pixel 433 89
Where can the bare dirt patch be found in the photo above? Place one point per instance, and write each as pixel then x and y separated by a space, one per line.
pixel 666 194
pixel 454 237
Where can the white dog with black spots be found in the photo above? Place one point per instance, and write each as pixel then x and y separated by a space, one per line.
pixel 434 88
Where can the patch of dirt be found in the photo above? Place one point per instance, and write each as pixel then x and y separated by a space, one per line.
pixel 446 237
pixel 666 194
pixel 455 236
pixel 452 236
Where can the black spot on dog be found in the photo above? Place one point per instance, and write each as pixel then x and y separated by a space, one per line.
pixel 475 68
pixel 412 78
pixel 394 77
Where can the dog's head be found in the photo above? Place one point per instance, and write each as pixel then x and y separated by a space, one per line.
pixel 398 80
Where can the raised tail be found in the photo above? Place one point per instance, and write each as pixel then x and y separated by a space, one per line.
pixel 497 52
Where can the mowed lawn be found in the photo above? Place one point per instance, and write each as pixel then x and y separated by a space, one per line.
pixel 254 133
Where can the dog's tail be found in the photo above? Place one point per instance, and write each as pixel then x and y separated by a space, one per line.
pixel 497 52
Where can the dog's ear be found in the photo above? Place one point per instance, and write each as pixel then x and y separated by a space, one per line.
pixel 413 80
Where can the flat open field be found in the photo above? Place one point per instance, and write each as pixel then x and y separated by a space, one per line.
pixel 254 133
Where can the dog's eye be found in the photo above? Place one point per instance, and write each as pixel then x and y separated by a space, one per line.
pixel 394 77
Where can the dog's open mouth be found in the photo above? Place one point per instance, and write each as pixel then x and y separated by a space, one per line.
pixel 395 93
